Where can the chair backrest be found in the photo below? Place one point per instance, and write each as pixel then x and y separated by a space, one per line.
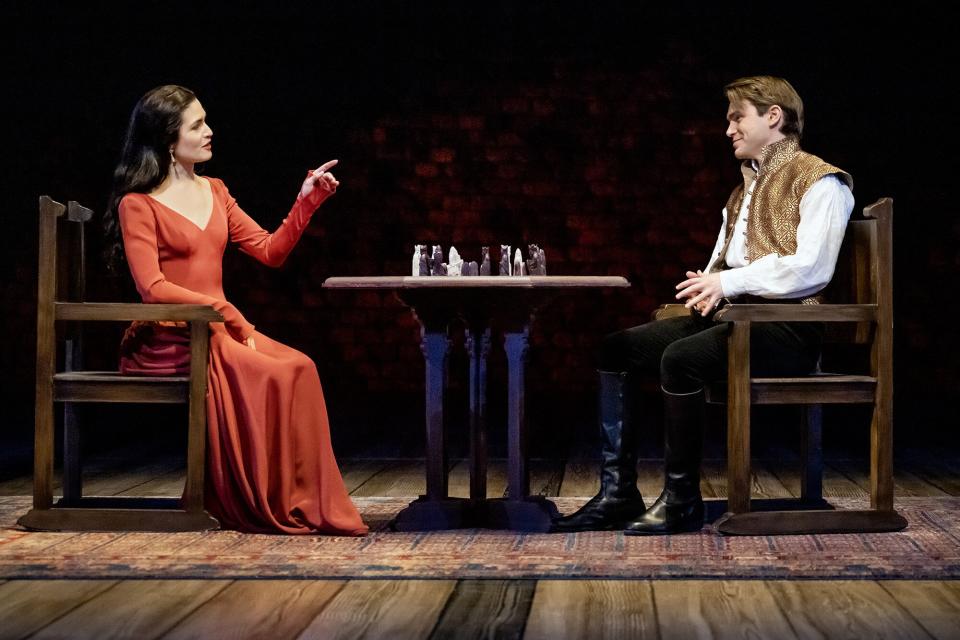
pixel 864 273
pixel 62 272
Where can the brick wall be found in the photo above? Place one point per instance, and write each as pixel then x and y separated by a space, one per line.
pixel 600 169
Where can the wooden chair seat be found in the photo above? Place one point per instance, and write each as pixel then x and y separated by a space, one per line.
pixel 819 388
pixel 112 386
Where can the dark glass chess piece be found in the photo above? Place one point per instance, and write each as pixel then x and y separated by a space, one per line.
pixel 424 267
pixel 436 260
pixel 484 261
pixel 536 263
pixel 469 268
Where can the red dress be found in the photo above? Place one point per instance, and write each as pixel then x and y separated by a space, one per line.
pixel 270 463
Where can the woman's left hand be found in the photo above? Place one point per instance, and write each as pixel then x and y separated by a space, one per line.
pixel 320 183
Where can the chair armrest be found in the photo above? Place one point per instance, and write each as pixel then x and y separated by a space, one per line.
pixel 665 311
pixel 797 313
pixel 113 311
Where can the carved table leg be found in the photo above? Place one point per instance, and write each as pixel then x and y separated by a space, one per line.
pixel 435 510
pixel 478 344
pixel 519 511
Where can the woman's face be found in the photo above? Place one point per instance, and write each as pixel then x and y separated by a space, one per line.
pixel 194 142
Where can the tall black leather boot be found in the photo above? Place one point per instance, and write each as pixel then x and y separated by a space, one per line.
pixel 618 501
pixel 680 506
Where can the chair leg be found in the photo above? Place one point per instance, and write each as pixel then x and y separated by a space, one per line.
pixel 72 463
pixel 197 433
pixel 811 453
pixel 738 418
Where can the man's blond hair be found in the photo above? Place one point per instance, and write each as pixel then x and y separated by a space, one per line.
pixel 765 91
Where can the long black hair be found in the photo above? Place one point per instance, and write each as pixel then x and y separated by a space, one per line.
pixel 145 159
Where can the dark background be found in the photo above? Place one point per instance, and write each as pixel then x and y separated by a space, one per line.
pixel 594 129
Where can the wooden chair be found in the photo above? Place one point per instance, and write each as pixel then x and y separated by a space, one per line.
pixel 61 282
pixel 864 282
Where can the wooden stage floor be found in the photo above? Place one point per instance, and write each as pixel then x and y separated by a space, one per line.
pixel 491 608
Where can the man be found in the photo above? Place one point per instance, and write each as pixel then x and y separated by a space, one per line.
pixel 781 233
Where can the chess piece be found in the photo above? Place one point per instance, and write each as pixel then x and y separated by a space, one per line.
pixel 470 268
pixel 484 261
pixel 424 266
pixel 417 264
pixel 504 260
pixel 436 259
pixel 518 268
pixel 536 263
pixel 454 263
pixel 531 262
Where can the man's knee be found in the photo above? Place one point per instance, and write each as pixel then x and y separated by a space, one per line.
pixel 678 370
pixel 613 350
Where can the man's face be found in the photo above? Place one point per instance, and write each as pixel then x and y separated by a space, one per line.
pixel 750 131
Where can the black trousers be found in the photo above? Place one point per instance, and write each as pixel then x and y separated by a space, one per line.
pixel 689 352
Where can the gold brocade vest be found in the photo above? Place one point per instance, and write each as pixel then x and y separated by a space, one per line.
pixel 785 174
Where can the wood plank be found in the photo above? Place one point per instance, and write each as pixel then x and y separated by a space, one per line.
pixel 120 311
pixel 120 612
pixel 904 482
pixel 117 473
pixel 486 609
pixel 28 605
pixel 763 482
pixel 843 608
pixel 592 609
pixel 835 483
pixel 259 609
pixel 459 479
pixel 357 471
pixel 168 484
pixel 939 472
pixel 797 313
pixel 114 482
pixel 581 478
pixel 545 477
pixel 399 478
pixel 838 485
pixel 382 609
pixel 935 604
pixel 786 471
pixel 719 609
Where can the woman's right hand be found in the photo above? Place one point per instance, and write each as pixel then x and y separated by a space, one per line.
pixel 320 183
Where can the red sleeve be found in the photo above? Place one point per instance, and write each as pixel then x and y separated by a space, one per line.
pixel 271 249
pixel 139 227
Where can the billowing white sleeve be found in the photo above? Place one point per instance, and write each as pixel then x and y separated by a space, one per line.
pixel 824 211
pixel 718 247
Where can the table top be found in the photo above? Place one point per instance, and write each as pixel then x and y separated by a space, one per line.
pixel 474 282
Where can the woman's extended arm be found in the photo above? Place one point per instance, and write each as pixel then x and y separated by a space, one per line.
pixel 272 249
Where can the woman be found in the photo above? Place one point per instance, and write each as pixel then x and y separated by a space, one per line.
pixel 270 464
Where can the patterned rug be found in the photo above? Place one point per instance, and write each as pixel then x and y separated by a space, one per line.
pixel 928 549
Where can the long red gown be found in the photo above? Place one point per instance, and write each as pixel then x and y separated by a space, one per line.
pixel 270 463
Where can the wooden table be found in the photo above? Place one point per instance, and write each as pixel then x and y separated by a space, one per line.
pixel 508 302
